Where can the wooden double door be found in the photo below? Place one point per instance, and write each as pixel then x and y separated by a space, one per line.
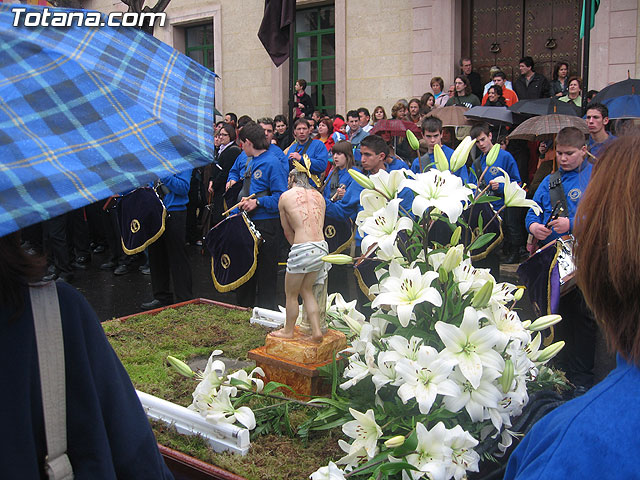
pixel 500 32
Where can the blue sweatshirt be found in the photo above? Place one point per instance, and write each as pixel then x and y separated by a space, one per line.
pixel 178 195
pixel 396 164
pixel 317 152
pixel 347 206
pixel 574 183
pixel 267 174
pixel 237 170
pixel 506 162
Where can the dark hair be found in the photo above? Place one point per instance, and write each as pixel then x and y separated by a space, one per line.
pixel 230 129
pixel 383 111
pixel 497 88
pixel 396 107
pixel 220 123
pixel 301 120
pixel 467 85
pixel 17 269
pixel 591 94
pixel 337 115
pixel 500 74
pixel 528 61
pixel 556 69
pixel 302 82
pixel 280 118
pixel 232 116
pixel 604 111
pixel 480 128
pixel 255 134
pixel 425 98
pixel 468 59
pixel 345 147
pixel 577 79
pixel 571 137
pixel 352 114
pixel 606 253
pixel 437 80
pixel 267 121
pixel 431 124
pixel 365 111
pixel 243 120
pixel 377 144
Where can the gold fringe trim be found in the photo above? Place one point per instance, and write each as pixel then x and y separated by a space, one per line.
pixel 348 243
pixel 362 285
pixel 242 280
pixel 151 240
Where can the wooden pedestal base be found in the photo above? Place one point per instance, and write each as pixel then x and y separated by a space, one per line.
pixel 294 361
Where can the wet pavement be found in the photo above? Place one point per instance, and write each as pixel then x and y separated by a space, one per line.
pixel 114 296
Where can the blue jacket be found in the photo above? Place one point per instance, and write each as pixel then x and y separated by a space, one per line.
pixel 396 164
pixel 267 174
pixel 237 171
pixel 592 436
pixel 574 183
pixel 428 161
pixel 347 206
pixel 178 195
pixel 507 163
pixel 597 148
pixel 358 137
pixel 317 152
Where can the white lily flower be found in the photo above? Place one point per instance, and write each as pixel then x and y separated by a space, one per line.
pixel 352 459
pixel 463 457
pixel 400 347
pixel 507 323
pixel 385 371
pixel 330 472
pixel 442 190
pixel 388 182
pixel 478 400
pixel 356 370
pixel 383 227
pixel 249 378
pixel 432 455
pixel 514 194
pixel 502 293
pixel 405 288
pixel 364 430
pixel 371 202
pixel 470 345
pixel 425 378
pixel 221 410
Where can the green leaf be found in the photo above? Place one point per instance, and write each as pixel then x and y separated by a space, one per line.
pixel 485 199
pixel 481 241
pixel 239 383
pixel 330 425
pixel 271 386
pixel 480 221
pixel 395 467
pixel 408 446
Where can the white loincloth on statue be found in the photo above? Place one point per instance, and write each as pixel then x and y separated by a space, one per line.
pixel 307 257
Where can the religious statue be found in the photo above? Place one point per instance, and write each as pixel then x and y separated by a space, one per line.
pixel 302 210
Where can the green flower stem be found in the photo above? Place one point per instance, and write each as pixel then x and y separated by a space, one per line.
pixel 277 397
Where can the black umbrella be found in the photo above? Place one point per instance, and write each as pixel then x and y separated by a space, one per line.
pixel 542 106
pixel 630 86
pixel 492 115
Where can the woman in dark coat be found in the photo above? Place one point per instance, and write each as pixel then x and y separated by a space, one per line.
pixel 227 154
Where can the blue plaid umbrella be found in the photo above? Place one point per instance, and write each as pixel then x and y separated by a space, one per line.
pixel 86 113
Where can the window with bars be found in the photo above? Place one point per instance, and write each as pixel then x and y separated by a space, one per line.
pixel 199 44
pixel 314 55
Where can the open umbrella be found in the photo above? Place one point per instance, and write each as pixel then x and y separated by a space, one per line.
pixel 624 107
pixel 452 116
pixel 542 106
pixel 546 125
pixel 630 86
pixel 86 113
pixel 396 127
pixel 492 115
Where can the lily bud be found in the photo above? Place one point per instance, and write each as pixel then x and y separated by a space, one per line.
pixel 398 440
pixel 493 154
pixel 526 323
pixel 337 259
pixel 507 375
pixel 550 352
pixel 518 294
pixel 544 322
pixel 452 258
pixel 362 179
pixel 459 157
pixel 455 236
pixel 180 367
pixel 440 158
pixel 413 141
pixel 482 296
pixel 442 275
pixel 354 325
